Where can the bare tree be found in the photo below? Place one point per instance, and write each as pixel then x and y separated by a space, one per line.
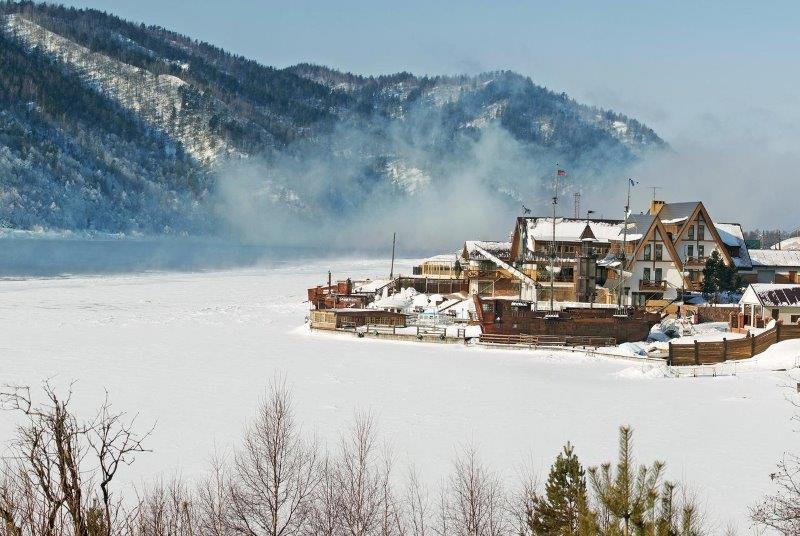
pixel 366 504
pixel 166 509
pixel 275 472
pixel 325 514
pixel 781 510
pixel 417 506
pixel 475 504
pixel 213 505
pixel 58 479
pixel 113 444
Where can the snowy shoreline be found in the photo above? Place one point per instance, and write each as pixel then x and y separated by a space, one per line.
pixel 193 353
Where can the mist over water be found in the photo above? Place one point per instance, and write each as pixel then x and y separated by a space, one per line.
pixel 47 257
pixel 365 185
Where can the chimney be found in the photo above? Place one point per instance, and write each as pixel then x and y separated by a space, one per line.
pixel 656 206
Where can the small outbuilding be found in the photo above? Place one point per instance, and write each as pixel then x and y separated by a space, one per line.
pixel 352 318
pixel 771 301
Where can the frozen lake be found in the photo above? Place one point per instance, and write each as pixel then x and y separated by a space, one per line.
pixel 194 352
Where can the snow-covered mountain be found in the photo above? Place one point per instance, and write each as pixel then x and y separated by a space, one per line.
pixel 112 126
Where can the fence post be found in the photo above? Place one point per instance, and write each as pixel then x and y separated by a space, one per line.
pixel 724 349
pixel 696 353
pixel 669 358
pixel 778 331
pixel 752 344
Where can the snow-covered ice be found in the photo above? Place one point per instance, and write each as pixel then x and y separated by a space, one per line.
pixel 193 353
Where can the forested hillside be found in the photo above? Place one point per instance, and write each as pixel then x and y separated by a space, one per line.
pixel 107 125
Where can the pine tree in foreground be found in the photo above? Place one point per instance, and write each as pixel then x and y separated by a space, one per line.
pixel 563 510
pixel 632 500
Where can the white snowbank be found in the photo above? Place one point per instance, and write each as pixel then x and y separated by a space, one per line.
pixel 193 354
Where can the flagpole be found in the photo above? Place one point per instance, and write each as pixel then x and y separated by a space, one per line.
pixel 553 244
pixel 624 245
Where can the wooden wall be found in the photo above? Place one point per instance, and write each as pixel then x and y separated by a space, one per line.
pixel 729 350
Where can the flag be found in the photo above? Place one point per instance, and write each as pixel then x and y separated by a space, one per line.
pixel 633 182
pixel 561 173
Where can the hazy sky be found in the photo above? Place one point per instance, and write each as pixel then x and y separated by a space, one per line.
pixel 704 75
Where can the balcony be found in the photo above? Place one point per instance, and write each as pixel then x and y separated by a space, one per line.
pixel 544 277
pixel 544 256
pixel 695 261
pixel 652 286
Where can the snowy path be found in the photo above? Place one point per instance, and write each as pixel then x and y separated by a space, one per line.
pixel 194 352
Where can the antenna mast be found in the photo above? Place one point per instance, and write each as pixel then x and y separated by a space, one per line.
pixel 624 246
pixel 553 254
pixel 391 270
pixel 655 190
pixel 577 196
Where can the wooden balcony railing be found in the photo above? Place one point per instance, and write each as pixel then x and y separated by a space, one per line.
pixel 695 261
pixel 544 277
pixel 652 286
pixel 539 256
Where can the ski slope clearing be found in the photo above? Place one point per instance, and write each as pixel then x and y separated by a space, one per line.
pixel 193 353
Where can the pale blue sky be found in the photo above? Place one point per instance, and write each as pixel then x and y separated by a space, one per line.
pixel 719 78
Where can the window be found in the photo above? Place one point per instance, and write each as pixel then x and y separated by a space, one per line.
pixel 647 249
pixel 701 232
pixel 690 251
pixel 658 274
pixel 794 319
pixel 691 232
pixel 659 252
pixel 646 274
pixel 701 251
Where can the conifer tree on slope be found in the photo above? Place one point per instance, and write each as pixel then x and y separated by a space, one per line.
pixel 563 510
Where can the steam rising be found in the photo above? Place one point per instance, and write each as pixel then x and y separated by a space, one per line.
pixel 358 184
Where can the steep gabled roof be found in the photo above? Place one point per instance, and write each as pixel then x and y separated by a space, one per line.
pixel 699 209
pixel 587 234
pixel 637 226
pixel 733 236
pixel 677 212
pixel 655 225
pixel 774 295
pixel 501 250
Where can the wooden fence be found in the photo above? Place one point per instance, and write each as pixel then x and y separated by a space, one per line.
pixel 702 353
pixel 546 340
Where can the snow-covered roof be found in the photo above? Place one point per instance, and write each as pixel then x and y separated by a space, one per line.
pixel 776 258
pixel 792 244
pixel 446 257
pixel 570 230
pixel 370 285
pixel 501 250
pixel 677 212
pixel 638 225
pixel 732 235
pixel 772 295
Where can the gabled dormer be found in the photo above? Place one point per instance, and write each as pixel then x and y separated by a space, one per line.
pixel 696 237
pixel 653 243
